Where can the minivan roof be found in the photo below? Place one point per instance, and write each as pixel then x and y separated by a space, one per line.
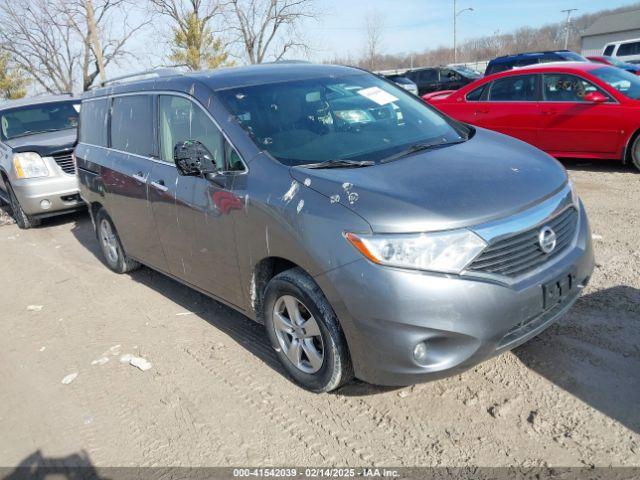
pixel 24 102
pixel 228 77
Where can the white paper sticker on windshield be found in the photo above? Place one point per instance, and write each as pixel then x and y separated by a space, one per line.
pixel 377 95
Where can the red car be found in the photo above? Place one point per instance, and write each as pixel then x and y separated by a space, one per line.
pixel 579 110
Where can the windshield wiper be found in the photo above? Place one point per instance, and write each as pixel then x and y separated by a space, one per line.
pixel 419 147
pixel 340 163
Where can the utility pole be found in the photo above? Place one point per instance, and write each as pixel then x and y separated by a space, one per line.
pixel 568 11
pixel 455 27
pixel 94 40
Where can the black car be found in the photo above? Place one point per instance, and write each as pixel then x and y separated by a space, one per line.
pixel 507 62
pixel 433 79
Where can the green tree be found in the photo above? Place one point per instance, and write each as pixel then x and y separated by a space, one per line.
pixel 13 82
pixel 195 45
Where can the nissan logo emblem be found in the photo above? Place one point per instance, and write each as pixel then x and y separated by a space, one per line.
pixel 547 239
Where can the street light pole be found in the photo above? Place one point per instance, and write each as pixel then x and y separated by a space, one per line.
pixel 455 27
pixel 568 11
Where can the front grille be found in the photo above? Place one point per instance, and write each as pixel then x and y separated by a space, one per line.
pixel 66 163
pixel 521 253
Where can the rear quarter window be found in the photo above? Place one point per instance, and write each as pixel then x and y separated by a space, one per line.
pixel 626 49
pixel 93 122
pixel 475 95
pixel 608 51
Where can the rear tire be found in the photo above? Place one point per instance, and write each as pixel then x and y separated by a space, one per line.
pixel 114 255
pixel 23 220
pixel 635 153
pixel 304 331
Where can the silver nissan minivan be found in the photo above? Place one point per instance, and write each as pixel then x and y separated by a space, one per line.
pixel 372 235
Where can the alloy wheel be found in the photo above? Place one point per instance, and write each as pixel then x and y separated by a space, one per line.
pixel 298 334
pixel 108 241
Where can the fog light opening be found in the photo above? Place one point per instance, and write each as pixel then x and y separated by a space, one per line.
pixel 420 353
pixel 45 204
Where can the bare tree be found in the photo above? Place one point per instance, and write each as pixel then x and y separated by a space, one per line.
pixel 194 43
pixel 269 27
pixel 50 39
pixel 374 29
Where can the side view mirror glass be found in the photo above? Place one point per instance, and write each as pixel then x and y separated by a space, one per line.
pixel 595 97
pixel 193 158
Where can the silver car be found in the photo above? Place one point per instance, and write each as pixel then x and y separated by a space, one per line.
pixel 372 236
pixel 37 169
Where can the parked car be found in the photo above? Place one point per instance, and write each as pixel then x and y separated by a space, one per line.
pixel 580 110
pixel 625 51
pixel 517 60
pixel 37 170
pixel 404 82
pixel 629 67
pixel 372 235
pixel 433 79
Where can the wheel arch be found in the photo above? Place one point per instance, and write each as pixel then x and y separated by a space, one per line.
pixel 626 158
pixel 263 272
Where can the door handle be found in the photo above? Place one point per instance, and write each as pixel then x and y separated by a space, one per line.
pixel 159 185
pixel 549 111
pixel 481 110
pixel 140 177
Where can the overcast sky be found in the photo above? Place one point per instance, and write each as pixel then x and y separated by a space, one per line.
pixel 410 25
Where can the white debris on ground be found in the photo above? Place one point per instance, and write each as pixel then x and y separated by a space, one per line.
pixel 42 349
pixel 34 308
pixel 595 236
pixel 115 350
pixel 404 394
pixel 183 314
pixel 126 358
pixel 100 361
pixel 138 362
pixel 141 363
pixel 5 218
pixel 69 378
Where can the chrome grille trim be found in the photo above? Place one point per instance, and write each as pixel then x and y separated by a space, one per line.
pixel 65 162
pixel 520 253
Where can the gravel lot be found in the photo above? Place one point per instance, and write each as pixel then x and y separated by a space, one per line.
pixel 215 394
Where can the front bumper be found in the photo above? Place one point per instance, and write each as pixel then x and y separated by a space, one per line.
pixel 61 191
pixel 385 312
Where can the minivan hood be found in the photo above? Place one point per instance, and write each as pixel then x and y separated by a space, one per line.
pixel 488 177
pixel 45 143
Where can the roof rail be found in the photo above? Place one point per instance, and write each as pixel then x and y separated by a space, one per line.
pixel 154 72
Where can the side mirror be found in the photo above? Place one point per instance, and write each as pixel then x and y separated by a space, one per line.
pixel 193 158
pixel 595 97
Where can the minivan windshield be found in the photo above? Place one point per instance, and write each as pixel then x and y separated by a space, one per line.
pixel 355 117
pixel 626 83
pixel 47 117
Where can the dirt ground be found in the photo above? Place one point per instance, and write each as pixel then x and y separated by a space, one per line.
pixel 216 395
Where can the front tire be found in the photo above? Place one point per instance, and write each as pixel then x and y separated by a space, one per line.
pixel 305 333
pixel 635 153
pixel 114 255
pixel 23 220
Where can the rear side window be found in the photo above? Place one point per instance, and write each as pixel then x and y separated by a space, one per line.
pixel 608 51
pixel 497 67
pixel 629 49
pixel 475 95
pixel 132 124
pixel 427 76
pixel 520 88
pixel 93 122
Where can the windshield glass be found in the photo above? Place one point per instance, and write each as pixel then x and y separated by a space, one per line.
pixel 355 117
pixel 617 63
pixel 626 83
pixel 466 71
pixel 39 118
pixel 572 56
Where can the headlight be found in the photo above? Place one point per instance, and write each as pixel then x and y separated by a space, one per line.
pixel 29 165
pixel 575 199
pixel 449 251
